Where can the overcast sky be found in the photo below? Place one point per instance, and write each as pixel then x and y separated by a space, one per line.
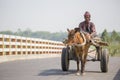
pixel 58 15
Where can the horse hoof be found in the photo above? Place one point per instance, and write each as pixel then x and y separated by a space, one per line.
pixel 82 74
pixel 77 73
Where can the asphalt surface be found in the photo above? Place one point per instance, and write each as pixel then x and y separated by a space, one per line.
pixel 50 69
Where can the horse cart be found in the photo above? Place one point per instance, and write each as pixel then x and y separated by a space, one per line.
pixel 101 54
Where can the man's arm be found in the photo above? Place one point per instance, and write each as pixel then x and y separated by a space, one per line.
pixel 93 30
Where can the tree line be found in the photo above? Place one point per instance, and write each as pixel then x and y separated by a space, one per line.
pixel 56 36
pixel 113 39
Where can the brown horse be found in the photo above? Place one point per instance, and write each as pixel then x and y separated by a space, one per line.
pixel 81 45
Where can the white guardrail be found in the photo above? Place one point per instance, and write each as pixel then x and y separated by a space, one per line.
pixel 16 45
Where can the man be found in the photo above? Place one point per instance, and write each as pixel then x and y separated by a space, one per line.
pixel 87 26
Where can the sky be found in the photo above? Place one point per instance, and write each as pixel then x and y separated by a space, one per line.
pixel 58 15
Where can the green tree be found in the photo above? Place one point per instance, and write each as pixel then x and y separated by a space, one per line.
pixel 105 36
pixel 27 32
pixel 19 32
pixel 114 36
pixel 6 32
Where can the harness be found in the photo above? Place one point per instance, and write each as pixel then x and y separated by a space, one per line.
pixel 84 39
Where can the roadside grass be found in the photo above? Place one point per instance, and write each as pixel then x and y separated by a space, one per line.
pixel 114 49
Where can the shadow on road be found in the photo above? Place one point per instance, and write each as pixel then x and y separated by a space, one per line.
pixel 93 72
pixel 117 76
pixel 53 72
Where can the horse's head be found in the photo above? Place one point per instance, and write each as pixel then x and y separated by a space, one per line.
pixel 71 33
pixel 70 37
pixel 75 37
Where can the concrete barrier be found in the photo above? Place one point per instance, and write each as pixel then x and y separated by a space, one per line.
pixel 17 48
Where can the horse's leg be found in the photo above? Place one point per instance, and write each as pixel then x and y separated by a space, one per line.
pixel 77 60
pixel 82 64
pixel 85 53
pixel 77 64
pixel 83 60
pixel 78 73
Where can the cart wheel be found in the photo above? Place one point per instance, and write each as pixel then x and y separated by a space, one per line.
pixel 104 60
pixel 65 59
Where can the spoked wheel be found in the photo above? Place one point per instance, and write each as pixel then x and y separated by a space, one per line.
pixel 104 60
pixel 65 59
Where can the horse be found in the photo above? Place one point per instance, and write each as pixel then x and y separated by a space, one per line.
pixel 81 43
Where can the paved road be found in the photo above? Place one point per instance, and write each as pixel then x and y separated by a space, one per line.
pixel 50 69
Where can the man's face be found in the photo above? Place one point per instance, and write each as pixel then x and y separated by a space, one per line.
pixel 87 18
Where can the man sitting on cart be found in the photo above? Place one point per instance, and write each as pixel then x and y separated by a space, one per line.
pixel 88 28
